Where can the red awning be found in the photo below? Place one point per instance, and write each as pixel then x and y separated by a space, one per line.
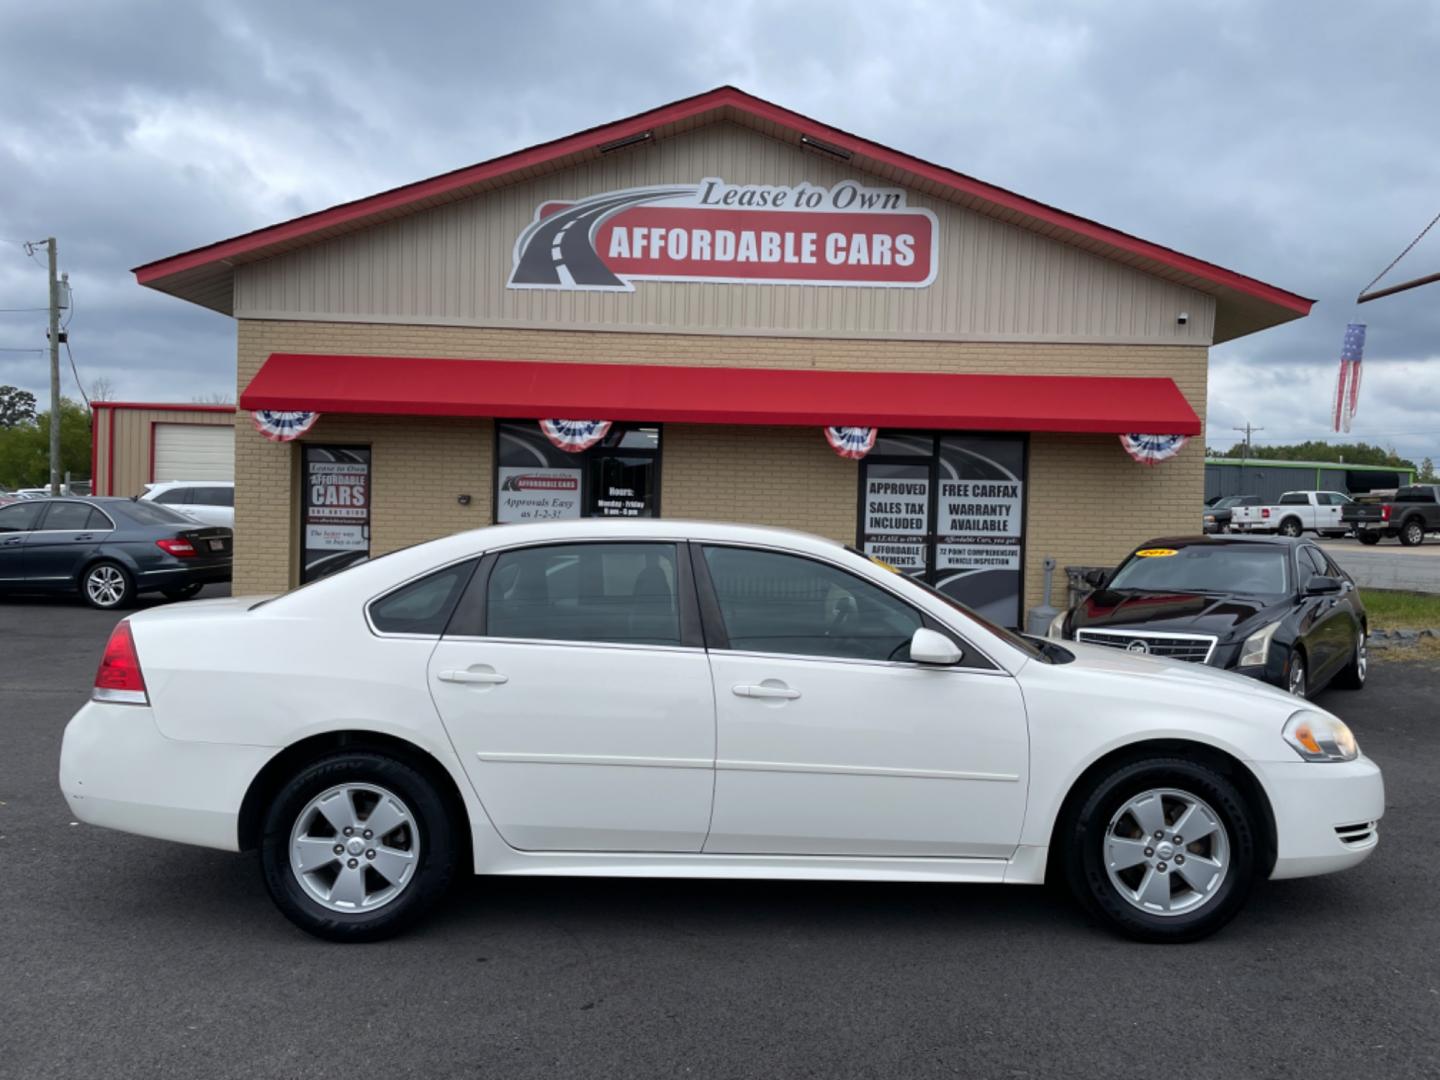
pixel 393 385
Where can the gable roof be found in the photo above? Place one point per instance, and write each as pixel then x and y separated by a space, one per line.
pixel 205 275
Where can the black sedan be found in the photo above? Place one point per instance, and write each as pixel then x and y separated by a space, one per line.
pixel 108 550
pixel 1269 607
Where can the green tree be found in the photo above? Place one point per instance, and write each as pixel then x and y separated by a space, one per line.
pixel 16 406
pixel 1357 453
pixel 25 447
pixel 1427 471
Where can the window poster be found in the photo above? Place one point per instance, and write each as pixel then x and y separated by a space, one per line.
pixel 334 509
pixel 536 480
pixel 538 494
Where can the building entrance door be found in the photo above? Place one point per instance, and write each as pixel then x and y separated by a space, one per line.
pixel 949 509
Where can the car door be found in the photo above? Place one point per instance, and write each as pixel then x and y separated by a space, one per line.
pixel 67 537
pixel 17 522
pixel 830 742
pixel 1344 618
pixel 1324 621
pixel 574 685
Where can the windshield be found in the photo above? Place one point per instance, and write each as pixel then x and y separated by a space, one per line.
pixel 1209 568
pixel 148 513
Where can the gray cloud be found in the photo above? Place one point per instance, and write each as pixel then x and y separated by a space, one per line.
pixel 1287 142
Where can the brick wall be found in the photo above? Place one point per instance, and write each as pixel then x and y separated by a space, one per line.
pixel 1087 501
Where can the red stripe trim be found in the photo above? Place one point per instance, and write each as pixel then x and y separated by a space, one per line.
pixel 110 465
pixel 688 108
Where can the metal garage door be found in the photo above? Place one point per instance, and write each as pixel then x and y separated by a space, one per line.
pixel 194 452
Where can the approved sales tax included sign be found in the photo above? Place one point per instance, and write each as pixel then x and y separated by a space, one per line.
pixel 849 234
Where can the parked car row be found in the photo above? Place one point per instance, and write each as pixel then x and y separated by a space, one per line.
pixel 1407 514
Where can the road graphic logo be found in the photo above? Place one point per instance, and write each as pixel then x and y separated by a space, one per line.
pixel 848 234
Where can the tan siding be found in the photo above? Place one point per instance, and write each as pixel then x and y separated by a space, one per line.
pixel 449 265
pixel 134 430
pixel 777 476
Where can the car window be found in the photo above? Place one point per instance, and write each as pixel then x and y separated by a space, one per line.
pixel 149 513
pixel 423 606
pixel 214 496
pixel 777 603
pixel 1206 568
pixel 1312 562
pixel 612 593
pixel 173 496
pixel 68 517
pixel 1294 498
pixel 20 517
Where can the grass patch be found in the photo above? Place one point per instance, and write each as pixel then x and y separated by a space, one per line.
pixel 1401 610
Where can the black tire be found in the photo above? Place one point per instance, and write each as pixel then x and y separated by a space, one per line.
pixel 1368 538
pixel 436 837
pixel 182 592
pixel 1352 675
pixel 107 585
pixel 1412 533
pixel 1297 668
pixel 1083 838
pixel 1291 527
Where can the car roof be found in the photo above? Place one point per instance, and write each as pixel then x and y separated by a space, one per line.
pixel 1221 540
pixel 156 485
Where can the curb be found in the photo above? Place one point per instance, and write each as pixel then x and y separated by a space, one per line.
pixel 1389 639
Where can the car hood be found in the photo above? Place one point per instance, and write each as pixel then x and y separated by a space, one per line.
pixel 1224 615
pixel 1193 683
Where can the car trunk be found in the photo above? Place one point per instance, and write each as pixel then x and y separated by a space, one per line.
pixel 212 543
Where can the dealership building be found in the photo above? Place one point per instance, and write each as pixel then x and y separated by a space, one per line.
pixel 755 317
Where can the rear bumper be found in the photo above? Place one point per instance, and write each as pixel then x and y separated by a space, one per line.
pixel 1326 814
pixel 118 771
pixel 171 577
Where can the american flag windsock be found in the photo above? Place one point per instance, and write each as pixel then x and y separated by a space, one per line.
pixel 1347 386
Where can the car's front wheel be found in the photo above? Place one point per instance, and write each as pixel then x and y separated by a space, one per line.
pixel 357 846
pixel 107 586
pixel 1162 849
pixel 1412 534
pixel 1290 527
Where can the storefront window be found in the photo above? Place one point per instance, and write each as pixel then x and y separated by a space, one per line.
pixel 949 509
pixel 334 509
pixel 535 480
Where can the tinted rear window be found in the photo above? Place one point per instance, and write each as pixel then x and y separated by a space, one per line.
pixel 149 513
pixel 1415 495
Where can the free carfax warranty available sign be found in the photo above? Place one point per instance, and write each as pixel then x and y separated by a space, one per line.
pixel 849 234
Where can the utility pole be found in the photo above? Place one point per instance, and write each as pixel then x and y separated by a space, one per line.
pixel 1247 429
pixel 54 370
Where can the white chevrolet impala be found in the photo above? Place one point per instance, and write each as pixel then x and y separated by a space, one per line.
pixel 678 699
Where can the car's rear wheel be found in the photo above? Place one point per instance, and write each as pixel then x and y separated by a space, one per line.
pixel 182 592
pixel 357 846
pixel 107 586
pixel 1352 676
pixel 1162 850
pixel 1290 527
pixel 1412 533
pixel 1366 537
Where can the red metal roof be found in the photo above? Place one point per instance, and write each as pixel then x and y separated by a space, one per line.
pixel 390 385
pixel 721 103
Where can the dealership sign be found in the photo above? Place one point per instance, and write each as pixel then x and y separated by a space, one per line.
pixel 848 234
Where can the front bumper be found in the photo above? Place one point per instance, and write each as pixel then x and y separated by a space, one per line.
pixel 117 770
pixel 1327 814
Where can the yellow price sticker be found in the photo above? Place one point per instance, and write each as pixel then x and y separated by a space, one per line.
pixel 1155 553
pixel 883 564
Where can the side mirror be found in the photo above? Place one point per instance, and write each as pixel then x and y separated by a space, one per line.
pixel 931 647
pixel 1321 586
pixel 1094 578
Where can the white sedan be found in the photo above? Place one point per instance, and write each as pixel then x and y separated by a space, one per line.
pixel 678 699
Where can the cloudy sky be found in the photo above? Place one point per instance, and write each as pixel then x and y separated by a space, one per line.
pixel 1292 142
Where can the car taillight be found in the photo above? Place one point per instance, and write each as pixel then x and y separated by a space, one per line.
pixel 1264 511
pixel 179 547
pixel 119 678
pixel 1384 513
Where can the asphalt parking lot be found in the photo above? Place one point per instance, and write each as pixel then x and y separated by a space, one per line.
pixel 126 957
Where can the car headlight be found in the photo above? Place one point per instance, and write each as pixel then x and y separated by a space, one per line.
pixel 1317 736
pixel 1257 646
pixel 1056 630
pixel 1209 517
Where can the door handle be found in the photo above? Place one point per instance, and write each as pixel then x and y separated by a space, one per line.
pixel 763 691
pixel 85 536
pixel 485 677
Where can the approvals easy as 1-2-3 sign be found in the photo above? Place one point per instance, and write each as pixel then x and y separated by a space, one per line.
pixel 849 234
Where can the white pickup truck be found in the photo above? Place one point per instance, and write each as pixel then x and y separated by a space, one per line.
pixel 1297 512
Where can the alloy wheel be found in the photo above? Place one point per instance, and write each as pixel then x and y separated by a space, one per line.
pixel 1166 852
pixel 105 585
pixel 1414 533
pixel 354 847
pixel 1295 681
pixel 1362 656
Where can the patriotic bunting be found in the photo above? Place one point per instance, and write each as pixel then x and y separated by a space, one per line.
pixel 575 435
pixel 851 442
pixel 283 426
pixel 1149 449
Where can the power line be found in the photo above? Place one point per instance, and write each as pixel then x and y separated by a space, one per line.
pixel 74 371
pixel 6 349
pixel 13 310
